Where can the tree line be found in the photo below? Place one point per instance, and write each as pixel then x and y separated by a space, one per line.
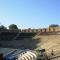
pixel 14 26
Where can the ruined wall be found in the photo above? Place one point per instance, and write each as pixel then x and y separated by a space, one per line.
pixel 43 30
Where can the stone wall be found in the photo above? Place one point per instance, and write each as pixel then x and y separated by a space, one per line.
pixel 42 30
pixel 34 30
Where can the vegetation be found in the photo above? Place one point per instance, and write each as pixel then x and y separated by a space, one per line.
pixel 53 25
pixel 2 27
pixel 13 26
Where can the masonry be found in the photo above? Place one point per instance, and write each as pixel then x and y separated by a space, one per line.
pixel 57 29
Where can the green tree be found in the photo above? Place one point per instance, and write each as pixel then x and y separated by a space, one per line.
pixel 13 26
pixel 2 27
pixel 53 25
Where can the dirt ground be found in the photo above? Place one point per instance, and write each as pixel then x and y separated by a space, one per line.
pixel 50 43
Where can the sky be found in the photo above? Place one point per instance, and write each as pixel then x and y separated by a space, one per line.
pixel 29 13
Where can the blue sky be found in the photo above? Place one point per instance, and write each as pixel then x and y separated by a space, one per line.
pixel 29 13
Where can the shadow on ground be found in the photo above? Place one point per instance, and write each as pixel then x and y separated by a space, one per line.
pixel 28 43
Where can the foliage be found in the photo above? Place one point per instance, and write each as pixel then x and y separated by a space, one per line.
pixel 13 26
pixel 2 27
pixel 53 25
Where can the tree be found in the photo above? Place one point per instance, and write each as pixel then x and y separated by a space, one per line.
pixel 53 25
pixel 3 27
pixel 13 26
